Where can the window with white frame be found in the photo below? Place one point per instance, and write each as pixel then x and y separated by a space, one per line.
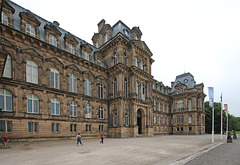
pixel 154 105
pixel 100 91
pixel 115 119
pixel 8 68
pixel 72 83
pixel 181 120
pixel 5 100
pixel 125 88
pixel 54 78
pixel 126 120
pixel 142 91
pixel 32 104
pixel 163 108
pixel 105 38
pixel 154 119
pixel 125 59
pixel 88 111
pixel 52 40
pixel 189 105
pixel 4 18
pixel 73 109
pixel 96 44
pixel 87 87
pixel 86 55
pixel 180 106
pixel 32 72
pixel 114 59
pixel 137 90
pixel 30 30
pixel 55 107
pixel 190 119
pixel 159 106
pixel 101 113
pixel 71 49
pixel 115 88
pixel 136 61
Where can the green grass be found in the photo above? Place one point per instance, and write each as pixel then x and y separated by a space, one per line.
pixel 238 132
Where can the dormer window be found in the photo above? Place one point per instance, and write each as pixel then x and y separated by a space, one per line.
pixel 105 38
pixel 96 44
pixel 4 18
pixel 136 61
pixel 99 62
pixel 136 38
pixel 142 65
pixel 71 48
pixel 52 40
pixel 86 56
pixel 30 30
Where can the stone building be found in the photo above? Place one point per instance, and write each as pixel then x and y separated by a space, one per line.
pixel 54 84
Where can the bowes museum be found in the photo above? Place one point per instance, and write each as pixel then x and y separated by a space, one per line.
pixel 54 84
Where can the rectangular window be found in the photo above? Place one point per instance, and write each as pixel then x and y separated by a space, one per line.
pixel 2 126
pixel 9 126
pixel 71 127
pixel 88 128
pixel 30 129
pixel 190 128
pixel 75 127
pixel 100 128
pixel 181 128
pixel 30 30
pixel 35 127
pixel 53 127
pixel 57 128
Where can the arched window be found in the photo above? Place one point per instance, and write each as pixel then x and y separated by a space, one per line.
pixel 125 88
pixel 114 59
pixel 190 119
pixel 189 105
pixel 126 119
pixel 32 104
pixel 71 49
pixel 115 119
pixel 101 113
pixel 8 68
pixel 87 87
pixel 4 18
pixel 88 111
pixel 52 40
pixel 54 78
pixel 73 109
pixel 72 83
pixel 115 88
pixel 100 91
pixel 180 106
pixel 30 30
pixel 55 107
pixel 5 100
pixel 32 72
pixel 125 59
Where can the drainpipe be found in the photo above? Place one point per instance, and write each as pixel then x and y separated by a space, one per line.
pixel 108 104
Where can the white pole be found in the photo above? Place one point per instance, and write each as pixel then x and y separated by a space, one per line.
pixel 227 122
pixel 221 121
pixel 213 124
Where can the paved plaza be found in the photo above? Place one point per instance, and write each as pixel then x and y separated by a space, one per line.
pixel 143 150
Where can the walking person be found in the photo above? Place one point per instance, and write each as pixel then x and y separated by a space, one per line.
pixel 5 140
pixel 79 139
pixel 102 136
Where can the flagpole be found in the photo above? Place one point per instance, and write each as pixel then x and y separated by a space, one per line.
pixel 227 122
pixel 213 124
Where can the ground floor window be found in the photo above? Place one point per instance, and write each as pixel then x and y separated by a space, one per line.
pixel 73 127
pixel 55 127
pixel 181 128
pixel 32 127
pixel 88 128
pixel 100 128
pixel 177 128
pixel 190 128
pixel 5 126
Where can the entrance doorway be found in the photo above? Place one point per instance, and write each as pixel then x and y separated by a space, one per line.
pixel 139 121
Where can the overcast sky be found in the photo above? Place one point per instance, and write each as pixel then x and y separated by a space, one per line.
pixel 197 36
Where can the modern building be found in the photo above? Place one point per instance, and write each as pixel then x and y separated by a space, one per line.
pixel 54 84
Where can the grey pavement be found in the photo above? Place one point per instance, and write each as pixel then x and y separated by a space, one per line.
pixel 155 150
pixel 225 154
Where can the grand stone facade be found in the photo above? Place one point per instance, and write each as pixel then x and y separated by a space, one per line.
pixel 54 84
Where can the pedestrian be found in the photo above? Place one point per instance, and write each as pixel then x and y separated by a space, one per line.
pixel 101 136
pixel 79 139
pixel 5 141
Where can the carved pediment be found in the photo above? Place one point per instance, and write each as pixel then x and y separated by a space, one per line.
pixel 73 67
pixel 142 45
pixel 101 77
pixel 27 15
pixel 51 27
pixel 5 42
pixel 32 52
pixel 89 73
pixel 55 60
pixel 68 36
pixel 87 47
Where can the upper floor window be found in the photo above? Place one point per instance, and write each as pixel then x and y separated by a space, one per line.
pixel 163 108
pixel 88 111
pixel 71 48
pixel 142 65
pixel 86 56
pixel 143 91
pixel 101 113
pixel 159 120
pixel 189 105
pixel 178 120
pixel 8 68
pixel 115 88
pixel 32 104
pixel 105 38
pixel 125 59
pixel 137 90
pixel 114 59
pixel 54 78
pixel 180 106
pixel 125 88
pixel 159 107
pixel 5 100
pixel 73 109
pixel 181 120
pixel 87 87
pixel 55 107
pixel 126 119
pixel 52 40
pixel 4 18
pixel 100 91
pixel 154 105
pixel 72 83
pixel 30 30
pixel 190 119
pixel 96 44
pixel 32 72
pixel 154 119
pixel 163 120
pixel 99 61
pixel 136 61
